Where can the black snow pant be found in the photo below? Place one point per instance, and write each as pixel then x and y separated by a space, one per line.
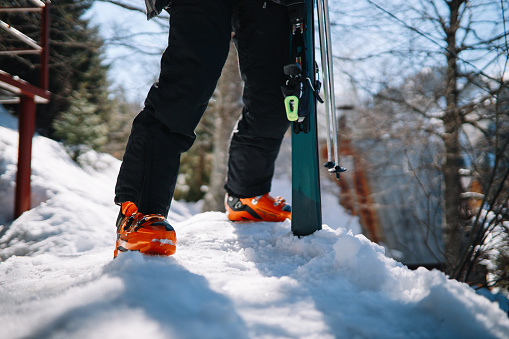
pixel 200 33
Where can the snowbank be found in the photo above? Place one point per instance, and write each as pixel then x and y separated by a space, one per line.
pixel 58 278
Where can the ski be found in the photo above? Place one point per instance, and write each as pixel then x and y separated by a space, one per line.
pixel 301 92
pixel 300 101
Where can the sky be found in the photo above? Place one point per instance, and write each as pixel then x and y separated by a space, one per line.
pixel 129 68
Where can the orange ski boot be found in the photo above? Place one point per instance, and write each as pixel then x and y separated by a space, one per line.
pixel 148 234
pixel 260 208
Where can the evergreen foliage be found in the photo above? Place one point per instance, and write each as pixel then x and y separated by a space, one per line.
pixel 119 123
pixel 81 112
pixel 196 164
pixel 75 63
pixel 80 126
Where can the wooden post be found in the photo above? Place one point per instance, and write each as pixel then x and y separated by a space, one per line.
pixel 26 132
pixel 44 71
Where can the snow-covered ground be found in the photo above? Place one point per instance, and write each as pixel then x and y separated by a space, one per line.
pixel 58 278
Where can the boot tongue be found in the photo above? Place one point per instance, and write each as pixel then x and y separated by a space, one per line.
pixel 129 208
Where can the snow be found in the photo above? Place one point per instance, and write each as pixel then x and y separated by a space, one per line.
pixel 58 278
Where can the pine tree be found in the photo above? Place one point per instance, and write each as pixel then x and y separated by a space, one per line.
pixel 196 164
pixel 80 127
pixel 119 123
pixel 75 63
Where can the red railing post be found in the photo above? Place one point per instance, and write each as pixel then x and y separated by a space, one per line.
pixel 44 71
pixel 26 131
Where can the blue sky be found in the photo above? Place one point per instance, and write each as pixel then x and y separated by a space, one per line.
pixel 129 68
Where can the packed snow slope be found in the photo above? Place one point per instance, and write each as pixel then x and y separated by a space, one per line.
pixel 58 278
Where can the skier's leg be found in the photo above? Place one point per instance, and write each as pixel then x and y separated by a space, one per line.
pixel 262 40
pixel 150 165
pixel 198 45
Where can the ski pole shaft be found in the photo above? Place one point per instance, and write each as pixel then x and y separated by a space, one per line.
pixel 331 80
pixel 325 77
pixel 328 78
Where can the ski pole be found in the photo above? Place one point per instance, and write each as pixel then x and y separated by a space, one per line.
pixel 328 78
pixel 326 88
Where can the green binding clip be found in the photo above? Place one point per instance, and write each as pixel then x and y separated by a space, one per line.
pixel 292 107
